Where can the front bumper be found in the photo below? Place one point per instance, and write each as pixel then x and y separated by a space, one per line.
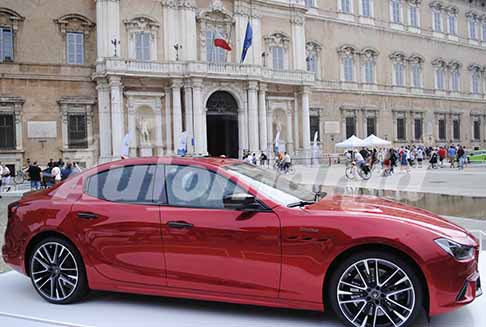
pixel 470 290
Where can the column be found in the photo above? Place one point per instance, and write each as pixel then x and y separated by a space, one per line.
pixel 132 127
pixel 411 126
pixel 108 26
pixel 19 138
pixel 262 118
pixel 298 41
pixel 200 132
pixel 104 120
pixel 305 121
pixel 188 118
pixel 171 29
pixel 117 116
pixel 296 123
pixel 290 143
pixel 158 125
pixel 252 116
pixel 168 122
pixel 270 139
pixel 177 111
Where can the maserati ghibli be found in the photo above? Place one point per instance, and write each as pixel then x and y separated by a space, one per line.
pixel 222 230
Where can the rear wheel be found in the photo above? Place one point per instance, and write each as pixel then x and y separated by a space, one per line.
pixel 57 271
pixel 375 289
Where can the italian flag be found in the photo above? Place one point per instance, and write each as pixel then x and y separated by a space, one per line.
pixel 220 42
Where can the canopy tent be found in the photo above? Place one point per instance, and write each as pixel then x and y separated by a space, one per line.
pixel 375 141
pixel 352 142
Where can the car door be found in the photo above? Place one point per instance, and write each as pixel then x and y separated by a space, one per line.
pixel 210 248
pixel 119 225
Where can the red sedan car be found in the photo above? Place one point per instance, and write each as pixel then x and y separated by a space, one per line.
pixel 223 230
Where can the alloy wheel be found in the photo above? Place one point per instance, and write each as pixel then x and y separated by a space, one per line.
pixel 54 271
pixel 375 293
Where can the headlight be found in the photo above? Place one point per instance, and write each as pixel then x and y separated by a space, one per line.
pixel 458 251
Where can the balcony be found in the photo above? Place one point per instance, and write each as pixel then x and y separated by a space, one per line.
pixel 226 71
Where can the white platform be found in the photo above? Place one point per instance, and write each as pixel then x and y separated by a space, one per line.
pixel 21 306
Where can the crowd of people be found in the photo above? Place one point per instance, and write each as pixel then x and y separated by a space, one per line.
pixel 53 173
pixel 406 157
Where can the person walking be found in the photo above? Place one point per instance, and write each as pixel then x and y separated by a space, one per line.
pixel 67 171
pixel 5 177
pixel 460 158
pixel 263 159
pixel 404 161
pixel 76 169
pixel 35 176
pixel 452 155
pixel 56 173
pixel 287 161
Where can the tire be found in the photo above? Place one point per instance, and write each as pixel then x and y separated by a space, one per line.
pixel 57 271
pixel 384 300
pixel 349 172
pixel 364 175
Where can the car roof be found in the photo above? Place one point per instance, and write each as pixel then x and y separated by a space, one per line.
pixel 207 161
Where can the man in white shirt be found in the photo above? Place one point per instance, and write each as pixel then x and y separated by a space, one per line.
pixel 56 173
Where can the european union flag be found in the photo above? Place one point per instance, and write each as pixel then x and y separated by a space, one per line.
pixel 247 41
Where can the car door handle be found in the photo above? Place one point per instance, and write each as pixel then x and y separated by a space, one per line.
pixel 179 225
pixel 87 215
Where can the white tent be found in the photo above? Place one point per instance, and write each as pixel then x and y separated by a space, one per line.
pixel 352 142
pixel 375 141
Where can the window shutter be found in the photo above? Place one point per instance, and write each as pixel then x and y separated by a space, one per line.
pixel 146 46
pixel 138 46
pixel 7 44
pixel 209 46
pixel 79 48
pixel 71 48
pixel 1 44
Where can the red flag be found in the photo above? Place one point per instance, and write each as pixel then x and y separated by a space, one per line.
pixel 221 43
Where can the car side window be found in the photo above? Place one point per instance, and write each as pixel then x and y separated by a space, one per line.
pixel 196 187
pixel 133 183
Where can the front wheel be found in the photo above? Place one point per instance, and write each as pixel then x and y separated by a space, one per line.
pixel 364 174
pixel 374 288
pixel 349 172
pixel 57 271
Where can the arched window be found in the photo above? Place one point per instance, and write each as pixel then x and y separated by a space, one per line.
pixel 9 24
pixel 347 55
pixel 455 76
pixel 475 79
pixel 439 73
pixel 76 29
pixel 142 36
pixel 368 60
pixel 277 45
pixel 214 23
pixel 416 69
pixel 313 50
pixel 399 65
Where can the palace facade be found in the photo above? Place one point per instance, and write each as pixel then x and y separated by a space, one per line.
pixel 78 76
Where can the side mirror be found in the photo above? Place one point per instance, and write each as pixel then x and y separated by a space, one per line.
pixel 240 201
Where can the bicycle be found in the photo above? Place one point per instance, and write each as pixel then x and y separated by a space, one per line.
pixel 353 170
pixel 21 177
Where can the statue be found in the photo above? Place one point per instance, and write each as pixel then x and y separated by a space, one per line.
pixel 144 131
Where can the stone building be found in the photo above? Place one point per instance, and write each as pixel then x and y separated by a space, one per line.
pixel 78 76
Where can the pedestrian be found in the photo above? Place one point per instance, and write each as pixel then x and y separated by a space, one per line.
pixel 5 177
pixel 67 170
pixel 460 157
pixel 287 161
pixel 452 155
pixel 442 155
pixel 35 176
pixel 60 163
pixel 420 156
pixel 263 159
pixel 56 173
pixel 404 161
pixel 76 169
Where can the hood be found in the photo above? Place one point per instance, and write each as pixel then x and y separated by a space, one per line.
pixel 388 209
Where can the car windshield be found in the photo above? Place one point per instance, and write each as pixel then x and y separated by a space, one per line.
pixel 273 185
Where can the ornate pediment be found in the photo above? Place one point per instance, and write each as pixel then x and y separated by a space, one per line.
pixel 75 23
pixel 215 14
pixel 141 23
pixel 9 17
pixel 278 39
